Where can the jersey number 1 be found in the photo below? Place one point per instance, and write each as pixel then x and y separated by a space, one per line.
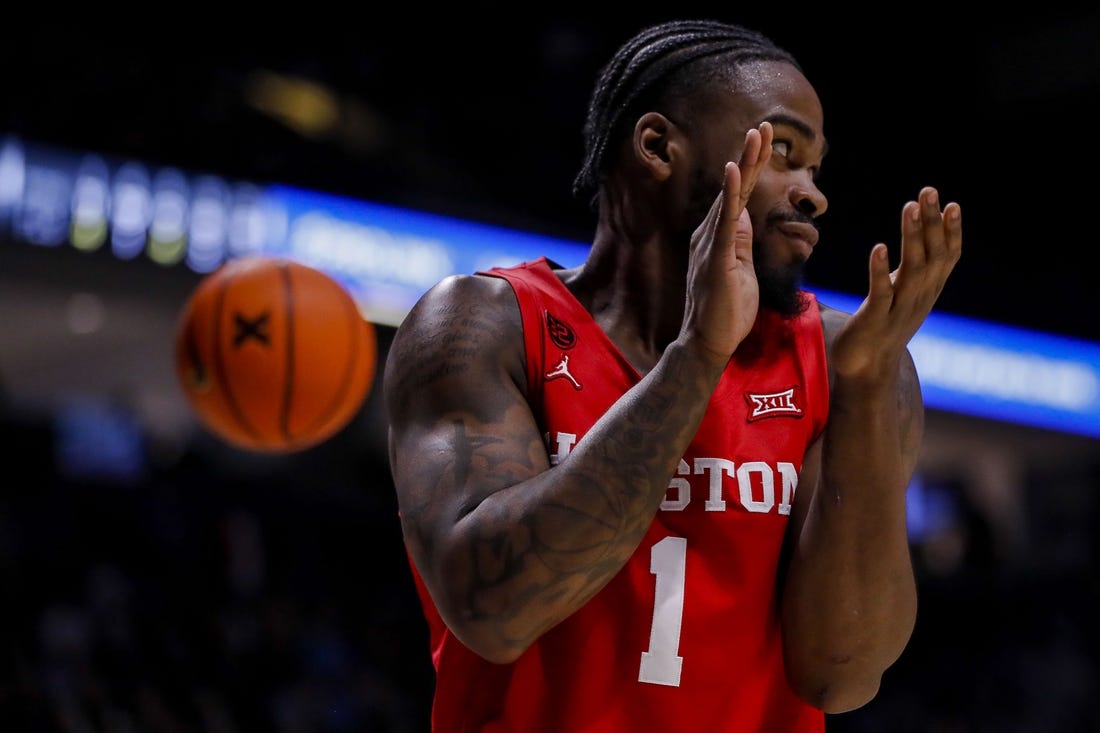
pixel 660 663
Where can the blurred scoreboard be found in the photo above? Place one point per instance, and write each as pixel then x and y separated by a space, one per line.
pixel 388 257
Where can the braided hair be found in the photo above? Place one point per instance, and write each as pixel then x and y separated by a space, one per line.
pixel 662 63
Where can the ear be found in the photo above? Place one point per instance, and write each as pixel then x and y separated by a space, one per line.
pixel 656 144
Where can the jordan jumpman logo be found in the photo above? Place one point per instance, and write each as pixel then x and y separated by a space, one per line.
pixel 562 370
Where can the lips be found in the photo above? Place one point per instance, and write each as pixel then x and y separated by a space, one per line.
pixel 798 230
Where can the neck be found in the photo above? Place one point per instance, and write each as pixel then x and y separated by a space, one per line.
pixel 633 285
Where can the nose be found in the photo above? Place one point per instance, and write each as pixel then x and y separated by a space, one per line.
pixel 807 198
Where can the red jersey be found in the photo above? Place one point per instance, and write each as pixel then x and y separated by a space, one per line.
pixel 686 637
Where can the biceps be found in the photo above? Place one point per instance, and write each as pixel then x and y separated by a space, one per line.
pixel 447 462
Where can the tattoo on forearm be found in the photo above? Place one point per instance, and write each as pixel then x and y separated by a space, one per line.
pixel 577 542
pixel 529 553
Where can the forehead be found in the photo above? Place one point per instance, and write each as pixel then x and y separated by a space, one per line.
pixel 777 92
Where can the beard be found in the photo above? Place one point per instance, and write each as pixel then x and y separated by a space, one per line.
pixel 780 285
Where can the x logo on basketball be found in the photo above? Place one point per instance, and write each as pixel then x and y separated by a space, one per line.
pixel 251 329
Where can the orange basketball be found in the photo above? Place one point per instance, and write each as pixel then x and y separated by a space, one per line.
pixel 274 355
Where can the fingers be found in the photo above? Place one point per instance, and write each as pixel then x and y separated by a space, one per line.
pixel 758 146
pixel 931 244
pixel 767 134
pixel 929 235
pixel 740 178
pixel 754 156
pixel 728 207
pixel 912 242
pixel 952 216
pixel 881 292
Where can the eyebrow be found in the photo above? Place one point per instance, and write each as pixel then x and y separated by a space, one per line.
pixel 781 118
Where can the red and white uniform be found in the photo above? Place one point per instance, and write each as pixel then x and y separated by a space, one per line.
pixel 686 637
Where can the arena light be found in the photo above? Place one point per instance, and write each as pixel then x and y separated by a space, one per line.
pixel 1003 373
pixel 388 257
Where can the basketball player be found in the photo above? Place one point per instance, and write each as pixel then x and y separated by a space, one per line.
pixel 665 490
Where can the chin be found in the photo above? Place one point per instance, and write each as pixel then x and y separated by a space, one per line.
pixel 781 290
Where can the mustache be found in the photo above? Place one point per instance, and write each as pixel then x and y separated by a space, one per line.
pixel 791 215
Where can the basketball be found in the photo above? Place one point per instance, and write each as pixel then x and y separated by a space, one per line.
pixel 273 355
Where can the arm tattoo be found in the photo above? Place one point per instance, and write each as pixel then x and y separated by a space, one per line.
pixel 565 547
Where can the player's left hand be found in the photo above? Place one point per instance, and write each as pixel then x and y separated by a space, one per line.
pixel 898 302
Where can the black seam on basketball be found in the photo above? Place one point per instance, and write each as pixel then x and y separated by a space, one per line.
pixel 219 364
pixel 340 395
pixel 289 353
pixel 353 361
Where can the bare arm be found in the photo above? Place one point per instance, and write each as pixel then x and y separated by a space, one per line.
pixel 508 546
pixel 850 598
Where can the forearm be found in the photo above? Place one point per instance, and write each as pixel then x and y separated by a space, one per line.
pixel 850 599
pixel 529 555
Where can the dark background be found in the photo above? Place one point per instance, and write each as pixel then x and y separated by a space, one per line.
pixel 210 589
pixel 478 114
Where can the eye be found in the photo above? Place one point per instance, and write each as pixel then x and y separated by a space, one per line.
pixel 781 147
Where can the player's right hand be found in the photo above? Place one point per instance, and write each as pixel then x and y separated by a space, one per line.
pixel 722 292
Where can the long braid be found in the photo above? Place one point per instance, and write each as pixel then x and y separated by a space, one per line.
pixel 655 63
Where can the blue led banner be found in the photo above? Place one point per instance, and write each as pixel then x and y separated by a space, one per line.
pixel 1003 373
pixel 387 257
pixel 390 256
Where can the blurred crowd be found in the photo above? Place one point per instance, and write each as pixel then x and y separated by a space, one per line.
pixel 205 597
pixel 210 594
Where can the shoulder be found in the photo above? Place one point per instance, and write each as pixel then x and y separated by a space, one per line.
pixel 467 321
pixel 460 301
pixel 469 288
pixel 832 320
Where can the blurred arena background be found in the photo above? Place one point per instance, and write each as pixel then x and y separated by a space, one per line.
pixel 155 579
